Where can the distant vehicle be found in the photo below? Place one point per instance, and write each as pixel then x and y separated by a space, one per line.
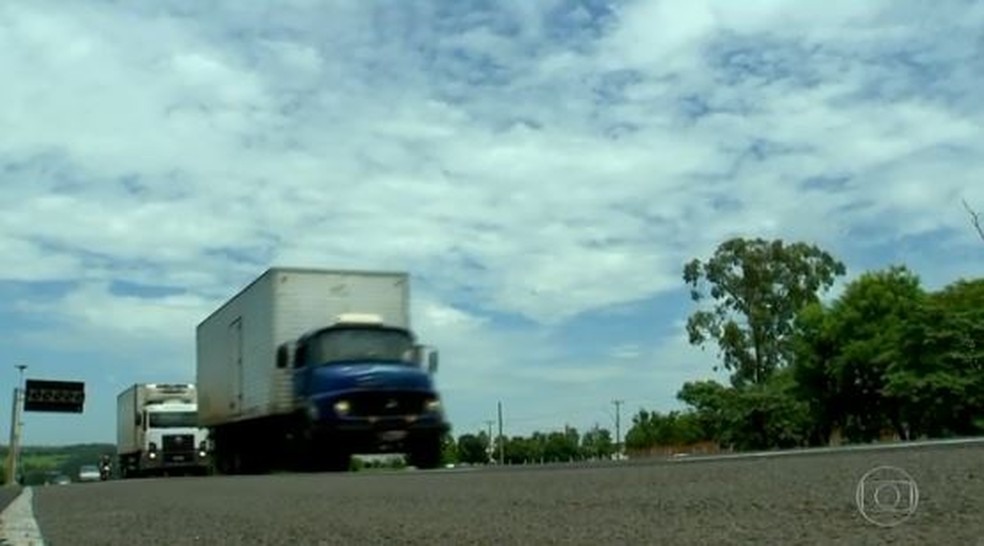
pixel 157 431
pixel 60 480
pixel 304 368
pixel 89 473
pixel 105 468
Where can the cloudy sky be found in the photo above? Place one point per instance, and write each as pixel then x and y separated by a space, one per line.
pixel 543 169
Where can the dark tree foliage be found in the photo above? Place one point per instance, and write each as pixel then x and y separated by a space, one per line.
pixel 473 448
pixel 597 443
pixel 540 447
pixel 939 378
pixel 657 429
pixel 869 323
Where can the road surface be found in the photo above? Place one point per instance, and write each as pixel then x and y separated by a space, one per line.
pixel 798 499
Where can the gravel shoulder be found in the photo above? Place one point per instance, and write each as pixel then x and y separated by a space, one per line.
pixel 808 499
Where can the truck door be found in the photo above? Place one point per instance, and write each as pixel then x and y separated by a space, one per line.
pixel 236 364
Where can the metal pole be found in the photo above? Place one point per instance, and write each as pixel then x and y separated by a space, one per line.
pixel 19 408
pixel 618 427
pixel 11 446
pixel 502 447
pixel 489 449
pixel 13 458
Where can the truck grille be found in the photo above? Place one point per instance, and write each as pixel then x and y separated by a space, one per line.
pixel 381 404
pixel 178 443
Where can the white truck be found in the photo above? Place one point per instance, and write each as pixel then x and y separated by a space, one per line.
pixel 306 367
pixel 157 431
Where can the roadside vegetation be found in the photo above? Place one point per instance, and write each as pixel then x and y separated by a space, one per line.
pixel 40 465
pixel 884 360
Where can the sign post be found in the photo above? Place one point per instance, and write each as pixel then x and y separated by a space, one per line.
pixel 39 395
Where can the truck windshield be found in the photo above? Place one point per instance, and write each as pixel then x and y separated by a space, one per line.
pixel 173 419
pixel 361 344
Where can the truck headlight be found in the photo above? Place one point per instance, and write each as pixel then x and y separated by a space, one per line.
pixel 342 407
pixel 432 406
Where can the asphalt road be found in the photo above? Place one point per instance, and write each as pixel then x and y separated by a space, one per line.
pixel 802 499
pixel 8 494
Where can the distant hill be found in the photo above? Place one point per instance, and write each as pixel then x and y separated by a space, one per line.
pixel 40 464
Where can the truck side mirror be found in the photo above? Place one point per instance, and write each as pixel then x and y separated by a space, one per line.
pixel 432 361
pixel 283 356
pixel 137 420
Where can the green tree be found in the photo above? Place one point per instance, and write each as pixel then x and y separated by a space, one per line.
pixel 757 287
pixel 714 406
pixel 597 443
pixel 939 376
pixel 559 446
pixel 472 448
pixel 449 449
pixel 673 429
pixel 869 322
pixel 815 348
pixel 640 434
pixel 771 415
pixel 519 450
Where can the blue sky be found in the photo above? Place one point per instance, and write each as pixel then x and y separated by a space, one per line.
pixel 542 169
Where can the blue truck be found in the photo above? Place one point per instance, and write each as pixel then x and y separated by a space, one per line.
pixel 304 368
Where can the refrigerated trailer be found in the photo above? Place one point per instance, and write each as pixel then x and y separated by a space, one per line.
pixel 305 367
pixel 157 431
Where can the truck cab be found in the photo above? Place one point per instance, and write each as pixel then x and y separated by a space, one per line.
pixel 368 386
pixel 172 435
pixel 159 431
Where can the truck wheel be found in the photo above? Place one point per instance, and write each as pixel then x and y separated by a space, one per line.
pixel 337 461
pixel 425 454
pixel 325 457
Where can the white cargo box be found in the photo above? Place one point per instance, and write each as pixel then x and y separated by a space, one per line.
pixel 237 377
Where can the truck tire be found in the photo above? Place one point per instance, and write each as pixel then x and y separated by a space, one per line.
pixel 425 454
pixel 324 456
pixel 336 461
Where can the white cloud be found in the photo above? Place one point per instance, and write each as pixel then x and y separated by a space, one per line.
pixel 530 160
pixel 627 351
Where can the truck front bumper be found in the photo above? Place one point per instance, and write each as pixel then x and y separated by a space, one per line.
pixel 154 460
pixel 382 434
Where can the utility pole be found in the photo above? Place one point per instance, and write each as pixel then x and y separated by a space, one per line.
pixel 489 450
pixel 502 447
pixel 13 453
pixel 618 427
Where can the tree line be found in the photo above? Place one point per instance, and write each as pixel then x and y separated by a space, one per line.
pixel 539 447
pixel 885 359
